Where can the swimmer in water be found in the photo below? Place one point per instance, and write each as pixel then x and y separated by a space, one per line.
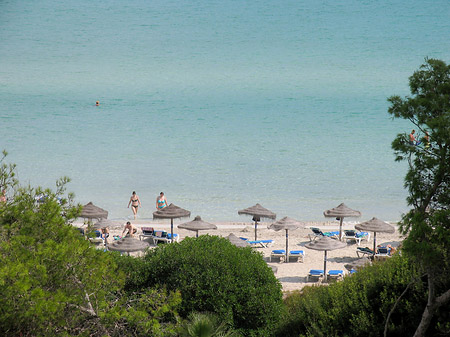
pixel 97 103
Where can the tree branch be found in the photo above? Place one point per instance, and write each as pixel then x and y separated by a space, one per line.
pixel 433 304
pixel 443 299
pixel 388 318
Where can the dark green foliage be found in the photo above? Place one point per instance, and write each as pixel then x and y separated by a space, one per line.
pixel 54 283
pixel 359 305
pixel 50 280
pixel 427 224
pixel 206 325
pixel 150 313
pixel 214 276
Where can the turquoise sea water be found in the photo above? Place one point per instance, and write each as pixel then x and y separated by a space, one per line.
pixel 219 104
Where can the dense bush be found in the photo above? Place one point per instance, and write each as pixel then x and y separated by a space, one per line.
pixel 360 304
pixel 54 283
pixel 152 312
pixel 213 276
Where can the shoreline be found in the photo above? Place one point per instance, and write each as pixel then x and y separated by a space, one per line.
pixel 144 216
pixel 292 275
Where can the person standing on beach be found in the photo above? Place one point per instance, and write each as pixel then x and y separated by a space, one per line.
pixel 161 201
pixel 135 203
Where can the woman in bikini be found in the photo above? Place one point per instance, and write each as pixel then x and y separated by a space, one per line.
pixel 135 203
pixel 161 201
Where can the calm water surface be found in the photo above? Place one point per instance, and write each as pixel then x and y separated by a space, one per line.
pixel 219 104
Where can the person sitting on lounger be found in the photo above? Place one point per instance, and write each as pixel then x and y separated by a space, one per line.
pixel 391 249
pixel 129 229
pixel 105 233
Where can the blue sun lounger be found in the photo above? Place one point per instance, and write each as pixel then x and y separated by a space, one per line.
pixel 163 236
pixel 382 253
pixel 296 254
pixel 258 243
pixel 335 274
pixel 278 253
pixel 315 274
pixel 98 239
pixel 316 232
pixel 147 232
pixel 364 251
pixel 357 236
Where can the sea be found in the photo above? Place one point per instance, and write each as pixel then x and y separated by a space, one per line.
pixel 219 104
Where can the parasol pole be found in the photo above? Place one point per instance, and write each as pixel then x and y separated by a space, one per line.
pixel 287 260
pixel 374 243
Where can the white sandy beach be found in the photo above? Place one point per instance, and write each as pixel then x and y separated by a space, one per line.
pixel 292 275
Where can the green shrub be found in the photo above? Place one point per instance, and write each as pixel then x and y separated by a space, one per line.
pixel 205 325
pixel 359 305
pixel 55 283
pixel 149 313
pixel 214 276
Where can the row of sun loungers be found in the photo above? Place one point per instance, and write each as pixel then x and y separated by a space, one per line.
pixel 356 236
pixel 296 255
pixel 333 275
pixel 348 235
pixel 147 232
pixel 158 235
pixel 317 233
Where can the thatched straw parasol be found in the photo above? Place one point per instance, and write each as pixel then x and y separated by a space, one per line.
pixel 258 212
pixel 90 211
pixel 340 212
pixel 359 263
pixel 287 224
pixel 197 225
pixel 102 223
pixel 237 241
pixel 375 225
pixel 171 212
pixel 325 243
pixel 128 244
